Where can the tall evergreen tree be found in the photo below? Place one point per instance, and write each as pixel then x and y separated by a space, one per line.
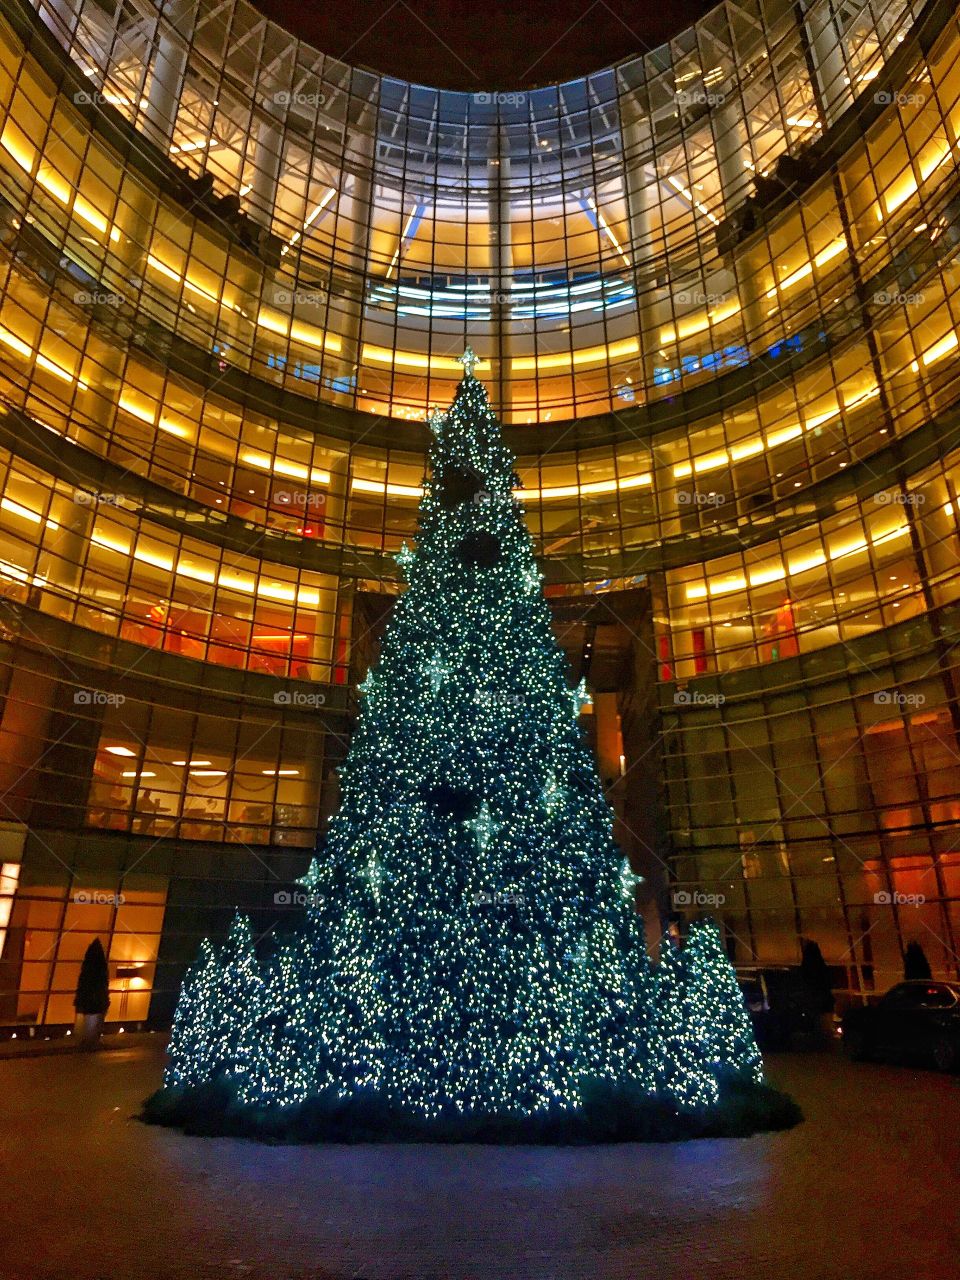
pixel 471 944
pixel 680 1073
pixel 915 962
pixel 216 1024
pixel 239 1004
pixel 719 1017
pixel 190 1052
pixel 486 955
pixel 291 1055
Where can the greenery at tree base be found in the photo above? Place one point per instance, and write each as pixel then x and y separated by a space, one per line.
pixel 93 986
pixel 606 1114
pixel 472 958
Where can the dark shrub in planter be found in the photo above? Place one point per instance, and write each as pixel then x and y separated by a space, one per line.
pixel 92 998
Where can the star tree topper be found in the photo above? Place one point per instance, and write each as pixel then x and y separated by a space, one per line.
pixel 551 796
pixel 368 682
pixel 469 360
pixel 483 826
pixel 629 879
pixel 437 671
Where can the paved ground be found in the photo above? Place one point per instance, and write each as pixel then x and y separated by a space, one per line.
pixel 866 1189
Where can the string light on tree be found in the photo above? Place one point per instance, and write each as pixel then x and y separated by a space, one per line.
pixel 532 580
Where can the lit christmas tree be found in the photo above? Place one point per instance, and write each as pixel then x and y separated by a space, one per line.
pixel 470 881
pixel 721 1023
pixel 291 1058
pixel 215 1025
pixel 472 947
pixel 191 1056
pixel 680 1071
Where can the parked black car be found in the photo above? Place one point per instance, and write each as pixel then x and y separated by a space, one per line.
pixel 916 1021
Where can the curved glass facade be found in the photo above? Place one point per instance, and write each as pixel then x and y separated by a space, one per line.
pixel 579 234
pixel 714 296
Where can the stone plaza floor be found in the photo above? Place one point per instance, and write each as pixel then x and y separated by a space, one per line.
pixel 866 1189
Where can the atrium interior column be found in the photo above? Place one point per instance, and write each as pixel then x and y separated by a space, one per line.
pixel 168 70
pixel 267 157
pixel 643 210
pixel 825 46
pixel 266 167
pixel 65 15
pixel 353 241
pixel 335 501
pixel 501 264
pixel 731 147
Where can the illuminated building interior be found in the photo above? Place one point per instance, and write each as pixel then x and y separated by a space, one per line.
pixel 714 295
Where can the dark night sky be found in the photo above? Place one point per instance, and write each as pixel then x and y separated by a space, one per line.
pixel 488 44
